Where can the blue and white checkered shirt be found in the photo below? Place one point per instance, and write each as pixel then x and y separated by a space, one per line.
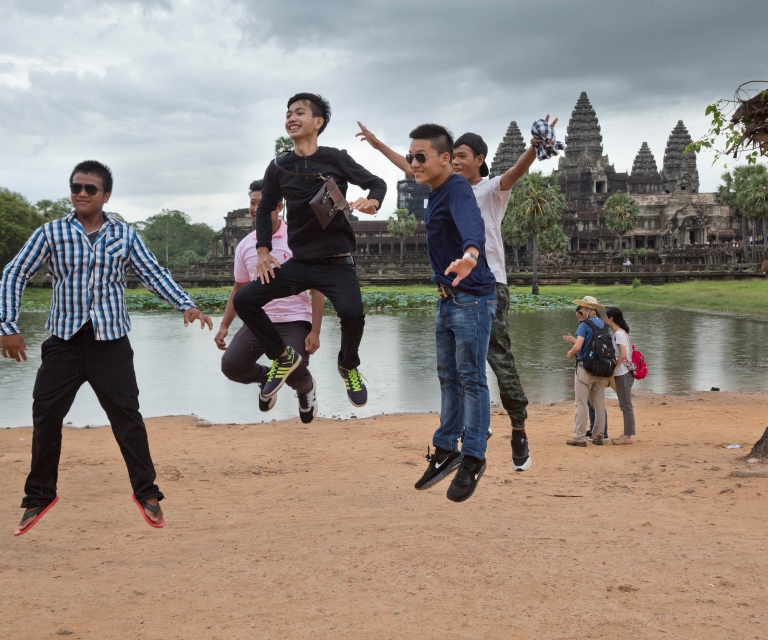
pixel 88 281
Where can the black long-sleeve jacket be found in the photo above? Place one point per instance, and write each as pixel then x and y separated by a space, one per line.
pixel 306 236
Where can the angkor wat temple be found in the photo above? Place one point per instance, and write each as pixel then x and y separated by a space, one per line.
pixel 672 211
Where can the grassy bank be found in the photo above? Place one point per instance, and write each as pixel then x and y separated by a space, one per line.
pixel 749 296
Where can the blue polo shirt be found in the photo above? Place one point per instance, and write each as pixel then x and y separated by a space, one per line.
pixel 453 223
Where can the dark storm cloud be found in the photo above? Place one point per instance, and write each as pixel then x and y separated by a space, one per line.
pixel 186 98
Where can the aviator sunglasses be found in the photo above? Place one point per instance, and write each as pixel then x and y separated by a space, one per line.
pixel 421 158
pixel 90 189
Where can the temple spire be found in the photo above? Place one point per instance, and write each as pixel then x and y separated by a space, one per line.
pixel 645 163
pixel 680 173
pixel 583 135
pixel 508 151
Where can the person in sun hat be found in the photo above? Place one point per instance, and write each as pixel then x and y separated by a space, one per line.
pixel 587 387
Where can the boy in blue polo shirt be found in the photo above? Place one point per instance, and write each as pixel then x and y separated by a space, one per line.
pixel 465 311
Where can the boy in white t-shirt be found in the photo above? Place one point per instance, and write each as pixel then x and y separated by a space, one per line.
pixel 469 153
pixel 296 318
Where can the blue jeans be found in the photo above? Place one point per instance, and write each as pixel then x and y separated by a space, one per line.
pixel 592 420
pixel 462 332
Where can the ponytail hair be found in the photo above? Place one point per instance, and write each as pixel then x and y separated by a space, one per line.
pixel 615 314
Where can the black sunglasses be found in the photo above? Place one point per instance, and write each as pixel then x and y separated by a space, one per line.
pixel 90 189
pixel 421 158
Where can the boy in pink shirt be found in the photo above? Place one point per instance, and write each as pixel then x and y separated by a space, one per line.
pixel 297 319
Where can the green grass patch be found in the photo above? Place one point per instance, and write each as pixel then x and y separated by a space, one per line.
pixel 747 296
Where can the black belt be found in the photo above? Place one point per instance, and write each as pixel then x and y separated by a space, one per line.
pixel 328 262
pixel 446 291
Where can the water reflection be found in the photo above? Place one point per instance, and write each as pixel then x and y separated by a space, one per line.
pixel 178 368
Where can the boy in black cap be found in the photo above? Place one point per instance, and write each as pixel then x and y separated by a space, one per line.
pixel 469 154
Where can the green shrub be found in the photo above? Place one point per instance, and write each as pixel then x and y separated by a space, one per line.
pixel 636 283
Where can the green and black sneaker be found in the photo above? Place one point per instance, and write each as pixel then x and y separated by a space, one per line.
pixel 356 391
pixel 279 372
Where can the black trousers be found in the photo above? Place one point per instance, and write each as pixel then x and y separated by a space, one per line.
pixel 337 282
pixel 107 366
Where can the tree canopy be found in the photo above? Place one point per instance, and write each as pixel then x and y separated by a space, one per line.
pixel 18 219
pixel 283 145
pixel 621 211
pixel 553 240
pixel 174 239
pixel 402 226
pixel 535 206
pixel 54 209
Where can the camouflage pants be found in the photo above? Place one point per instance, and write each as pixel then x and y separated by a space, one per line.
pixel 503 362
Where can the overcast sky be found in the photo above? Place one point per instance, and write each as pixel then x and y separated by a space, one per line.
pixel 184 99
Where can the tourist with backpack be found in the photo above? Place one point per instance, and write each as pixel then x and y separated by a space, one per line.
pixel 594 354
pixel 623 374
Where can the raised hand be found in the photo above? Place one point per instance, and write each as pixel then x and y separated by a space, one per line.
pixel 13 347
pixel 367 136
pixel 462 268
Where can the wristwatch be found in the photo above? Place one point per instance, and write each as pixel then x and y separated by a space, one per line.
pixel 469 254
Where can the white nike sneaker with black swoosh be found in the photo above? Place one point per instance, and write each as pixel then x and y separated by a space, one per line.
pixel 441 464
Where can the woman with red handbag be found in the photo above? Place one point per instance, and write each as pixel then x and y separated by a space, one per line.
pixel 622 374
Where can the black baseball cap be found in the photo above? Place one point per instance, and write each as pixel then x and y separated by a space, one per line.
pixel 477 144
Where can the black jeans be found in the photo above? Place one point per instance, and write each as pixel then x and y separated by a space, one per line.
pixel 337 282
pixel 107 365
pixel 240 361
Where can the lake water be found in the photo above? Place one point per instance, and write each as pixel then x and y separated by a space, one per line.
pixel 178 369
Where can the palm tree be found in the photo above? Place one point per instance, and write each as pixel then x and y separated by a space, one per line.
pixel 621 211
pixel 283 145
pixel 513 237
pixel 402 226
pixel 535 206
pixel 743 191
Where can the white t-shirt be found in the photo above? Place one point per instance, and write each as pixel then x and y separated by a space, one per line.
pixel 621 337
pixel 493 206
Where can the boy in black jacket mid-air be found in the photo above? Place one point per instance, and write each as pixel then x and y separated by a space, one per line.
pixel 322 257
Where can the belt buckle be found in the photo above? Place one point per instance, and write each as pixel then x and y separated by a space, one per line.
pixel 443 292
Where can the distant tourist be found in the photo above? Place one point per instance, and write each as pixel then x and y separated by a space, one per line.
pixel 88 252
pixel 321 249
pixel 587 387
pixel 296 319
pixel 492 195
pixel 627 263
pixel 465 310
pixel 614 318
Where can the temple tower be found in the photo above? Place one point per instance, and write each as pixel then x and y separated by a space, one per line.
pixel 680 173
pixel 584 140
pixel 645 176
pixel 509 150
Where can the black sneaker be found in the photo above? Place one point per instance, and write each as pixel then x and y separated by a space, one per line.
pixel 265 404
pixel 465 481
pixel 356 391
pixel 308 404
pixel 279 371
pixel 441 464
pixel 521 457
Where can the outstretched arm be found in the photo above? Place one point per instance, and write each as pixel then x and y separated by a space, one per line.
pixel 160 282
pixel 394 157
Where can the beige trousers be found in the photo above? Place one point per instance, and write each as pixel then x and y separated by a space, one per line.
pixel 592 388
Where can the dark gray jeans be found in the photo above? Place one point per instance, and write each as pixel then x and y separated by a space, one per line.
pixel 624 393
pixel 240 361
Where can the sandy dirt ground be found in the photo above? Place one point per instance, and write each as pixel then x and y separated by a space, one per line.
pixel 289 531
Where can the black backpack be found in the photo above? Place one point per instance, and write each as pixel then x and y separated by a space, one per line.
pixel 601 356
